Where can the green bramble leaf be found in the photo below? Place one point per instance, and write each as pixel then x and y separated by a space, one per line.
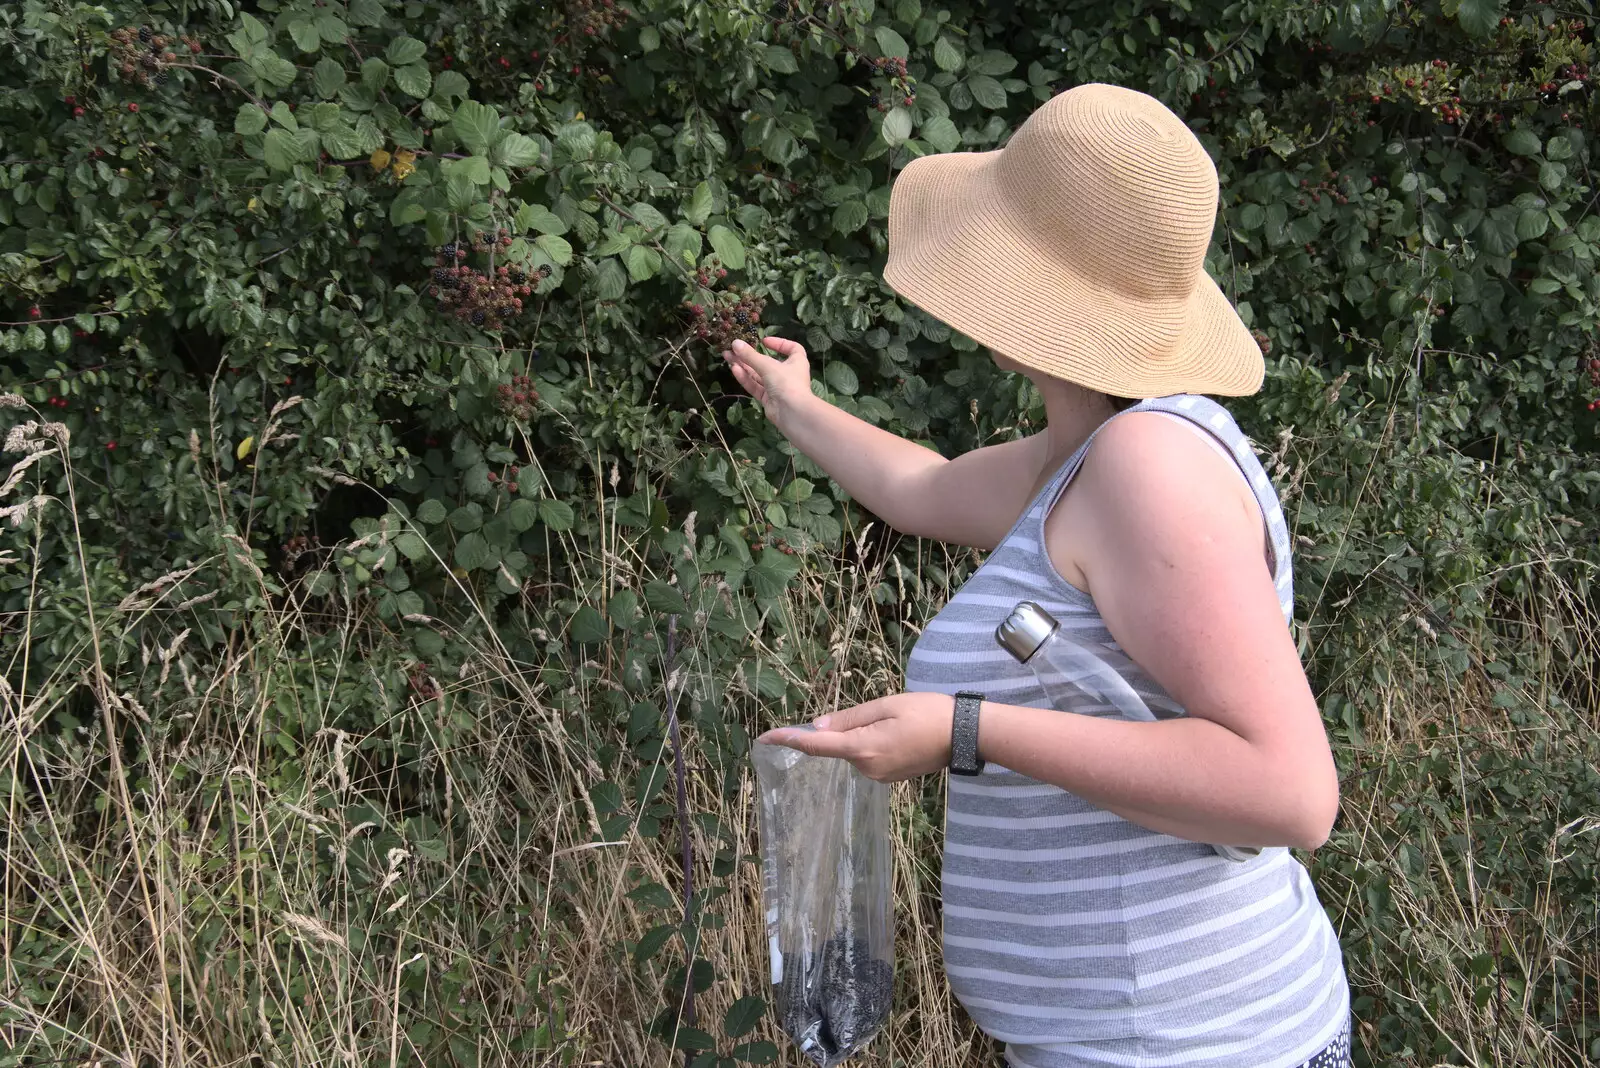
pixel 250 120
pixel 727 245
pixel 516 150
pixel 413 80
pixel 477 125
pixel 327 77
pixel 897 125
pixel 891 43
pixel 403 51
pixel 941 133
pixel 946 55
pixel 987 92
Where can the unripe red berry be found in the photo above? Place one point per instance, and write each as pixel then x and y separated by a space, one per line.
pixel 111 445
pixel 34 312
pixel 77 113
pixel 133 108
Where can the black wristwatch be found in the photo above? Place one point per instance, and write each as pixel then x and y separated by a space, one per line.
pixel 964 759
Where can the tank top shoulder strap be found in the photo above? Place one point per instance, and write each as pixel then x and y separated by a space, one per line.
pixel 1213 419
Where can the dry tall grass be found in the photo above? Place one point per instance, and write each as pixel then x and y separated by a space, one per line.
pixel 245 895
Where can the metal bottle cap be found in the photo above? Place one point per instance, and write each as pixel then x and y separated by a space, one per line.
pixel 1024 630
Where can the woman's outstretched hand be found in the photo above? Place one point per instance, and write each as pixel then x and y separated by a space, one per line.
pixel 779 384
pixel 889 739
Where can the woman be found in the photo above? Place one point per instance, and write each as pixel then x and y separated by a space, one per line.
pixel 1085 922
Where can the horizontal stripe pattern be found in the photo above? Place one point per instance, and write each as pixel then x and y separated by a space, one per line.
pixel 1083 940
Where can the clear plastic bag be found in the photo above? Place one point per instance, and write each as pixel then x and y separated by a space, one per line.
pixel 826 884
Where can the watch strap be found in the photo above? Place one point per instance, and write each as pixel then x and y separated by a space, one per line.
pixel 964 758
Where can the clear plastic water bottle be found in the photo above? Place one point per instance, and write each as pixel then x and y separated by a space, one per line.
pixel 1075 678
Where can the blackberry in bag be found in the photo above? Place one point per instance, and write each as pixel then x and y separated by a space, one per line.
pixel 826 882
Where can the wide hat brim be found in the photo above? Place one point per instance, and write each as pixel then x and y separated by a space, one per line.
pixel 959 250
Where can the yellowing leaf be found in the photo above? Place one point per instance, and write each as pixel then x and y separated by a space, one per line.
pixel 245 446
pixel 578 117
pixel 379 160
pixel 405 161
pixel 252 205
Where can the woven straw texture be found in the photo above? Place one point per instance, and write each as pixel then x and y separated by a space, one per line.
pixel 1078 249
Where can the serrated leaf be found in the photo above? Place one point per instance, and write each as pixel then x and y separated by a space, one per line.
pixel 987 92
pixel 557 515
pixel 992 62
pixel 1543 286
pixel 761 1052
pixel 649 39
pixel 588 627
pixel 643 262
pixel 327 77
pixel 850 217
pixel 693 1039
pixel 606 797
pixel 1523 142
pixel 699 208
pixel 664 598
pixel 538 217
pixel 332 29
pixel 727 245
pixel 946 55
pixel 653 941
pixel 891 43
pixel 1478 17
pixel 304 34
pixel 897 125
pixel 477 125
pixel 779 58
pixel 281 150
pixel 274 69
pixel 743 1015
pixel 557 248
pixel 431 511
pixel 472 551
pixel 772 575
pixel 407 208
pixel 941 133
pixel 468 517
pixel 342 142
pixel 250 120
pixel 449 84
pixel 1532 224
pixel 366 12
pixel 516 150
pixel 414 80
pixel 610 280
pixel 374 74
pixel 411 545
pixel 404 50
pixel 841 378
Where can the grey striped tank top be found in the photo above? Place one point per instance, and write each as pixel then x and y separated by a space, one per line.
pixel 1082 940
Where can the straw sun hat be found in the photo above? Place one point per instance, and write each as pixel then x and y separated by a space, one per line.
pixel 1078 249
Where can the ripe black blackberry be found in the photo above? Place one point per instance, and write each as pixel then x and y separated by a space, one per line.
pixel 477 318
pixel 161 77
pixel 545 270
pixel 145 34
pixel 448 250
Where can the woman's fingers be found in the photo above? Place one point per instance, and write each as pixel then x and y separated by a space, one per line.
pixel 784 347
pixel 848 719
pixel 817 743
pixel 750 381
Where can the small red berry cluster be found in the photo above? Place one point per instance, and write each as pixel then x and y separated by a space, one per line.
pixel 1263 341
pixel 763 535
pixel 142 56
pixel 422 683
pixel 900 83
pixel 734 317
pixel 1594 380
pixel 516 399
pixel 594 18
pixel 1327 187
pixel 487 297
pixel 57 402
pixel 298 548
pixel 509 481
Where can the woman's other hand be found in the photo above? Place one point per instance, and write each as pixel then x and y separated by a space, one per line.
pixel 889 739
pixel 781 385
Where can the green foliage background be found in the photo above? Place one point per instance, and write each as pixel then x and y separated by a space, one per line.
pixel 280 441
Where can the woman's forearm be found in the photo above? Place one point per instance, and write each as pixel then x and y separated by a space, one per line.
pixel 1187 777
pixel 877 468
